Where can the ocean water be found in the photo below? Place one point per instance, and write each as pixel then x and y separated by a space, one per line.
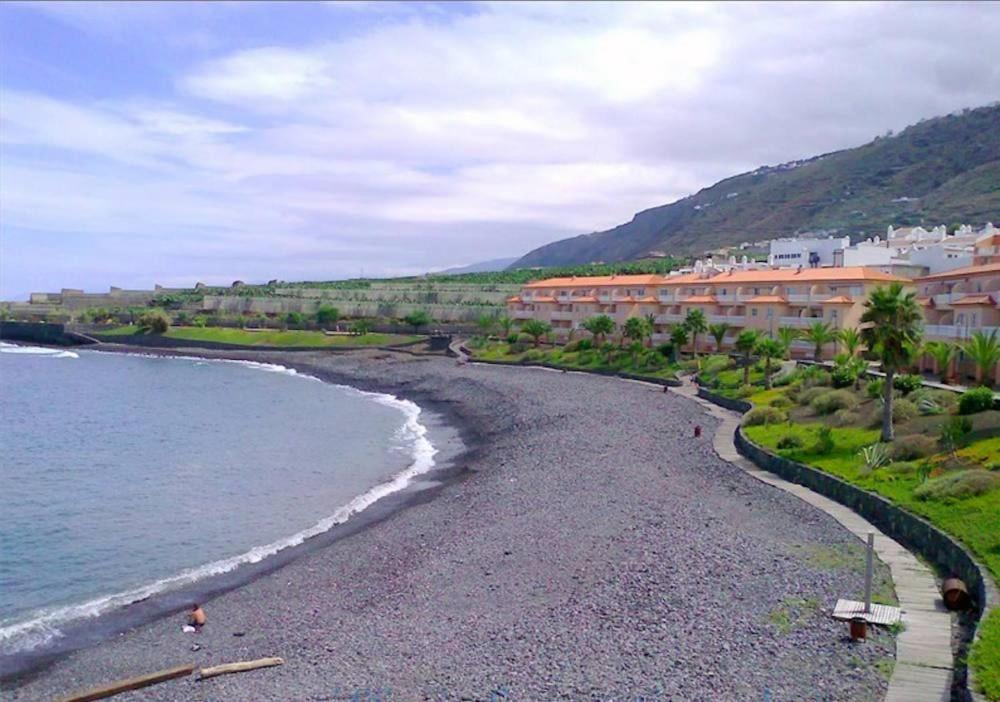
pixel 122 476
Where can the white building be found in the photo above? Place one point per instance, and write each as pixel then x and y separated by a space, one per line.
pixel 807 252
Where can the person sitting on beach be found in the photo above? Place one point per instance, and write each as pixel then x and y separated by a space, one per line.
pixel 196 617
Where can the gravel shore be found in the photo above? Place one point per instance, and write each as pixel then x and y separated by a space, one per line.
pixel 591 548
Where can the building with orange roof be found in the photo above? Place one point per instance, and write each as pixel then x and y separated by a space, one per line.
pixel 766 300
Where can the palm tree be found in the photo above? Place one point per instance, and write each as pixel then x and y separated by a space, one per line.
pixel 786 335
pixel 984 350
pixel 820 334
pixel 678 337
pixel 850 339
pixel 745 344
pixel 536 329
pixel 600 326
pixel 892 331
pixel 768 349
pixel 718 332
pixel 943 353
pixel 486 323
pixel 505 323
pixel 637 328
pixel 696 324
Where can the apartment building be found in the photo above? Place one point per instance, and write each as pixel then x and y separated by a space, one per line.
pixel 743 299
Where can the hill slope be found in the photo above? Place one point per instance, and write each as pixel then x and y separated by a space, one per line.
pixel 940 171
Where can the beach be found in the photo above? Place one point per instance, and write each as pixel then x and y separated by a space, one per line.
pixel 585 545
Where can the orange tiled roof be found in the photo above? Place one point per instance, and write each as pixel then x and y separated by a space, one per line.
pixel 925 301
pixel 585 298
pixel 649 298
pixel 767 298
pixel 985 269
pixel 597 281
pixel 839 300
pixel 516 298
pixel 543 299
pixel 974 300
pixel 700 298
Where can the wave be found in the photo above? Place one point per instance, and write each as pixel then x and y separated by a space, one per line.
pixel 43 627
pixel 36 351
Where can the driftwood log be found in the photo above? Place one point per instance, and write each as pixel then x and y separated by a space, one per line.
pixel 240 667
pixel 99 693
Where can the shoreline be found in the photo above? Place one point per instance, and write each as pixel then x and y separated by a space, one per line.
pixel 82 632
pixel 584 545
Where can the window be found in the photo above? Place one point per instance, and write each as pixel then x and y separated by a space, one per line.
pixel 753 311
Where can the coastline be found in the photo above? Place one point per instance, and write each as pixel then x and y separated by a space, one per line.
pixel 509 575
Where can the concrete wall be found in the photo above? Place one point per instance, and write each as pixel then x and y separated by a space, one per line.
pixel 40 333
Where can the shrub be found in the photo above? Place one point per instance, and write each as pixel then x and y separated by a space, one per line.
pixel 814 377
pixel 571 347
pixel 954 430
pixel 913 446
pixel 744 391
pixel 586 357
pixel 360 327
pixel 764 415
pixel 824 441
pixel 926 406
pixel 945 399
pixel 534 355
pixel 903 411
pixel 782 402
pixel 844 418
pixel 154 322
pixel 843 376
pixel 807 395
pixel 200 321
pixel 902 467
pixel 908 383
pixel 295 319
pixel 584 345
pixel 785 379
pixel 874 388
pixel 512 338
pixel 665 350
pixel 789 441
pixel 975 400
pixel 833 400
pixel 958 485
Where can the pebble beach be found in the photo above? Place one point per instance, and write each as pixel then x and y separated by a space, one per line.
pixel 584 546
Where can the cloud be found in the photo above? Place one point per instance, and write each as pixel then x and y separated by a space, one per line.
pixel 394 136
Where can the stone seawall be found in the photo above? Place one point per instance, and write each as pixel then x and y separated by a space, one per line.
pixel 42 333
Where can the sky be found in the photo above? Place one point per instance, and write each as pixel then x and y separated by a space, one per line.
pixel 172 143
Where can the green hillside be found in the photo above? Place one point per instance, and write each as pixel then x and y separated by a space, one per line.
pixel 940 171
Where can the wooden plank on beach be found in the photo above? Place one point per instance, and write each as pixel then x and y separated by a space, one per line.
pixel 240 667
pixel 99 693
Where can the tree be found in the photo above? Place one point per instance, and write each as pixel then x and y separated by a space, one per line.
pixel 295 319
pixel 637 329
pixel 984 350
pixel 786 335
pixel 678 337
pixel 696 324
pixel 718 332
pixel 154 322
pixel 943 353
pixel 505 323
pixel 819 334
pixel 486 324
pixel 850 339
pixel 600 326
pixel 536 329
pixel 360 327
pixel 745 344
pixel 417 319
pixel 768 349
pixel 327 315
pixel 892 331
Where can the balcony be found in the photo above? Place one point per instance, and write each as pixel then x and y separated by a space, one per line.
pixel 668 318
pixel 798 322
pixel 804 298
pixel 561 315
pixel 954 331
pixel 946 298
pixel 523 314
pixel 720 318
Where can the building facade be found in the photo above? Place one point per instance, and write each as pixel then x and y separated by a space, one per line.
pixel 766 300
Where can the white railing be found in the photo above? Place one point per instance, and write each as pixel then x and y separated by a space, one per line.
pixel 668 318
pixel 561 315
pixel 719 319
pixel 798 322
pixel 666 296
pixel 523 314
pixel 801 298
pixel 945 298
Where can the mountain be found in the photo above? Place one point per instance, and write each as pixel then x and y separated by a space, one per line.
pixel 944 170
pixel 496 264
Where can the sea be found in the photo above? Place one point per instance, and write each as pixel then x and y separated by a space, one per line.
pixel 126 476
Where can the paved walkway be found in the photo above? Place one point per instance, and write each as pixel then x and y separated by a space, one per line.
pixel 923 649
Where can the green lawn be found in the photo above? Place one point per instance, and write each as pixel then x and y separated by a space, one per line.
pixel 974 520
pixel 649 364
pixel 227 335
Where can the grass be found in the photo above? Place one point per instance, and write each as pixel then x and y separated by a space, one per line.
pixel 973 520
pixel 793 612
pixel 227 335
pixel 588 360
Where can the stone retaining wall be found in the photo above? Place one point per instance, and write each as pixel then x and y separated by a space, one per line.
pixel 669 382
